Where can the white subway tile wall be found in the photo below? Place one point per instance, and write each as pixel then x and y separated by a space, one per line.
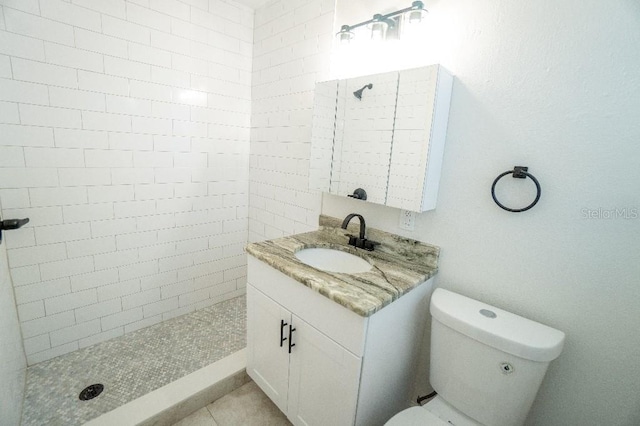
pixel 124 136
pixel 292 44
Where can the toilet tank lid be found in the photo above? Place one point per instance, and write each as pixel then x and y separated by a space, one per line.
pixel 496 328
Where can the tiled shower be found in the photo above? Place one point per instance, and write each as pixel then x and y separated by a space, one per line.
pixel 133 365
pixel 125 139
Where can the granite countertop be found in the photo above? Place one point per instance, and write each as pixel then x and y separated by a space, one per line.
pixel 399 265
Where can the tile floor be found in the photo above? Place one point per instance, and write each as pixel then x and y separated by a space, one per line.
pixel 246 406
pixel 132 365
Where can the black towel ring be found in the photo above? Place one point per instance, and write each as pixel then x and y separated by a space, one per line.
pixel 518 172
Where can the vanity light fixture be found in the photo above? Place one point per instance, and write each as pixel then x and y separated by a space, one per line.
pixel 383 26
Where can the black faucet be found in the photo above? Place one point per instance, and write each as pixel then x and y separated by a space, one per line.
pixel 360 241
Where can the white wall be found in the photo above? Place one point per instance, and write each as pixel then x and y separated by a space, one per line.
pixel 124 136
pixel 554 86
pixel 292 41
pixel 12 360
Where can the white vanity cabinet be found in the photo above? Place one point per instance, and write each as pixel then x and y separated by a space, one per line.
pixel 316 362
pixel 341 368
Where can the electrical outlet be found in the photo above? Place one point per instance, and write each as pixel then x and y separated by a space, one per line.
pixel 407 220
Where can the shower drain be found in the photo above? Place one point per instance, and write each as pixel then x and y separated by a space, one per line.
pixel 91 392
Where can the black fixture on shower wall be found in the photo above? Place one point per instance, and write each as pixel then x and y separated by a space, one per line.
pixel 9 224
pixel 359 194
pixel 385 26
pixel 518 172
pixel 358 93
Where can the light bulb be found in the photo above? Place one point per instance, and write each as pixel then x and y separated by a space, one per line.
pixel 345 35
pixel 378 28
pixel 414 16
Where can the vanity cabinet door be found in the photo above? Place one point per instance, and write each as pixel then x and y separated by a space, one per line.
pixel 267 360
pixel 316 381
pixel 422 112
pixel 324 379
pixel 324 127
pixel 364 135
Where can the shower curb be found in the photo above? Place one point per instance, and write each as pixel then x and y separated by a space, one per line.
pixel 171 403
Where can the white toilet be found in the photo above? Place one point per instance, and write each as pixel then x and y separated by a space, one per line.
pixel 486 364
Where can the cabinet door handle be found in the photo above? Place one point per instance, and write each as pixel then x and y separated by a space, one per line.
pixel 282 338
pixel 291 344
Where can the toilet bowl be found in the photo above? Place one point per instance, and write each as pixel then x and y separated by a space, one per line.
pixel 434 413
pixel 416 416
pixel 487 364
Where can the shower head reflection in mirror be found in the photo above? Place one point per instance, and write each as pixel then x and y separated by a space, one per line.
pixel 358 93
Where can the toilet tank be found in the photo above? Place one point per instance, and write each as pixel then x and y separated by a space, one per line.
pixel 486 362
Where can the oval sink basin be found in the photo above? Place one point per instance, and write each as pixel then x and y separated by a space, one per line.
pixel 333 260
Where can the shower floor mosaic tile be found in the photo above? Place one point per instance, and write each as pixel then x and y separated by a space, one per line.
pixel 132 365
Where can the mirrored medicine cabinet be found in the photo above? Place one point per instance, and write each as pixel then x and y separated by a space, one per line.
pixel 383 133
